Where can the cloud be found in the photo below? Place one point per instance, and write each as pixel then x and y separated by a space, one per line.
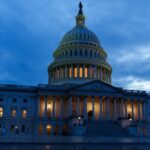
pixel 137 53
pixel 134 83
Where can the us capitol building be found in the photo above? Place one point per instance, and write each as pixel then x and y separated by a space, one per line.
pixel 79 99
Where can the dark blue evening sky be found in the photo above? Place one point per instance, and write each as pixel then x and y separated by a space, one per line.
pixel 30 31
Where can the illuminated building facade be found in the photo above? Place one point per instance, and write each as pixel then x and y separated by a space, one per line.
pixel 79 92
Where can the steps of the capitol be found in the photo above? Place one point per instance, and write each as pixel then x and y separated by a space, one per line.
pixel 105 128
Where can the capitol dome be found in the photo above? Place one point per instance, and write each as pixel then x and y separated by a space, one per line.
pixel 80 35
pixel 79 57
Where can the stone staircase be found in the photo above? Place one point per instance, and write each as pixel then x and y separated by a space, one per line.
pixel 105 129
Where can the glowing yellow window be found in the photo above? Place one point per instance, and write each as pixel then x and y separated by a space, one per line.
pixel 1 112
pixel 75 72
pixel 81 72
pixel 86 72
pixel 13 113
pixel 24 113
pixel 48 128
pixel 49 109
pixel 70 72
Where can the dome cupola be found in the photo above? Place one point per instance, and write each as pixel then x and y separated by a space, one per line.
pixel 79 57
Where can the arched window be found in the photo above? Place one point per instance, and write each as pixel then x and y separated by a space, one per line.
pixel 71 53
pixel 80 35
pixel 91 54
pixel 86 53
pixel 76 52
pixel 59 56
pixel 62 54
pixel 98 55
pixel 80 52
pixel 66 54
pixel 95 54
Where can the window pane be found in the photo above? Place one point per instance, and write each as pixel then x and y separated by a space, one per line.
pixel 75 72
pixel 1 112
pixel 70 72
pixel 13 113
pixel 86 72
pixel 24 113
pixel 81 71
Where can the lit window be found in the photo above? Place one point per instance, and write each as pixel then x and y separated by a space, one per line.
pixel 70 72
pixel 86 72
pixel 49 109
pixel 13 113
pixel 81 72
pixel 1 112
pixel 24 113
pixel 48 129
pixel 75 72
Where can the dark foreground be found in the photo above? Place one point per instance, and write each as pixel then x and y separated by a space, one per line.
pixel 74 146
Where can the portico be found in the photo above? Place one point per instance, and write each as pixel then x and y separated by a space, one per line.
pixel 94 105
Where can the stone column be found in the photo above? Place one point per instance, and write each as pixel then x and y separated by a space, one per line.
pixel 38 107
pixel 89 75
pixel 90 71
pixel 85 108
pixel 83 72
pixel 133 109
pixel 53 114
pixel 58 73
pixel 122 108
pixel 101 104
pixel 78 106
pixel 93 108
pixel 78 71
pixel 53 74
pixel 101 74
pixel 126 115
pixel 143 111
pixel 66 72
pixel 139 111
pixel 107 109
pixel 70 106
pixel 72 68
pixel 115 109
pixel 46 99
pixel 96 72
pixel 61 106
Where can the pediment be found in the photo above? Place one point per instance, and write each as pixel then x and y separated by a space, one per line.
pixel 97 86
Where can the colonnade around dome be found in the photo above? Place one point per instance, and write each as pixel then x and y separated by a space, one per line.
pixel 79 71
pixel 80 51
